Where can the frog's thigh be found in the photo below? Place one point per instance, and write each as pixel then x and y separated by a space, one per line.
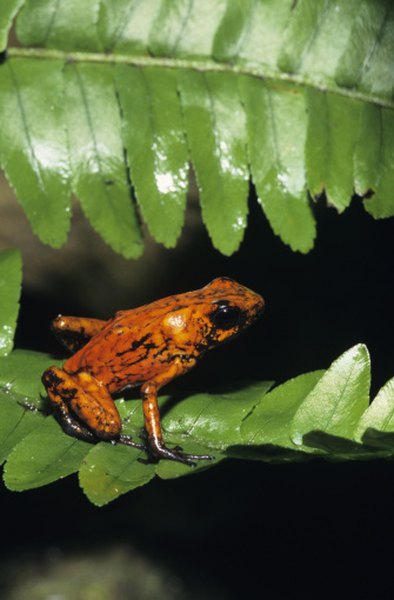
pixel 75 332
pixel 69 422
pixel 86 398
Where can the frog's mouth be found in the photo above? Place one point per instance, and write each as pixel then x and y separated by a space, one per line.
pixel 258 310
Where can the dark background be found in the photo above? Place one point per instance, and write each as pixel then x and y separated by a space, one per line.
pixel 242 529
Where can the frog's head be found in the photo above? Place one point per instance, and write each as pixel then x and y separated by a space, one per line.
pixel 229 308
pixel 210 316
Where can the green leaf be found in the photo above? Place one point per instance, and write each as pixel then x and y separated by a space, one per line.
pixel 33 148
pixel 264 27
pixel 381 205
pixel 109 471
pixel 66 25
pixel 367 154
pixel 133 425
pixel 371 22
pixel 125 25
pixel 320 413
pixel 21 371
pixel 8 11
pixel 333 22
pixel 200 417
pixel 215 124
pixel 316 146
pixel 16 421
pixel 97 160
pixel 44 455
pixel 271 419
pixel 343 121
pixel 229 35
pixel 10 287
pixel 276 130
pixel 185 28
pixel 378 76
pixel 337 401
pixel 107 97
pixel 169 21
pixel 156 148
pixel 300 33
pixel 333 133
pixel 198 426
pixel 376 426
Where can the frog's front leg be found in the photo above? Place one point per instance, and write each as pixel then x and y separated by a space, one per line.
pixel 151 411
pixel 75 332
pixel 85 406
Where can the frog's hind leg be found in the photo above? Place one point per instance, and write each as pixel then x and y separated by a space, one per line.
pixel 85 407
pixel 151 411
pixel 75 332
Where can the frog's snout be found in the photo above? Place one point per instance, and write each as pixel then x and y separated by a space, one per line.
pixel 259 307
pixel 256 309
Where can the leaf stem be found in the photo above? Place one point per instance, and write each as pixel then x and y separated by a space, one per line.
pixel 203 65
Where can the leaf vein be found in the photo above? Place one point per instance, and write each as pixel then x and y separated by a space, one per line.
pixel 94 140
pixel 247 27
pixel 123 22
pixel 330 419
pixel 375 46
pixel 51 22
pixel 11 431
pixel 322 16
pixel 182 27
pixel 203 66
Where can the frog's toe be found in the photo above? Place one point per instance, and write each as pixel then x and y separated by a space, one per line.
pixel 178 450
pixel 128 441
pixel 176 454
pixel 198 456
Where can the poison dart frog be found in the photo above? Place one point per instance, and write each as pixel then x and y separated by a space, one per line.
pixel 148 347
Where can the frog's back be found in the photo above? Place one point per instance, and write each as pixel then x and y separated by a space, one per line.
pixel 131 347
pixel 136 344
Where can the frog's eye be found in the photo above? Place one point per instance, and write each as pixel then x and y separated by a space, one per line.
pixel 226 317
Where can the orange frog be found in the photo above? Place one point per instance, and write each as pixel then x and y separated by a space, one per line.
pixel 147 346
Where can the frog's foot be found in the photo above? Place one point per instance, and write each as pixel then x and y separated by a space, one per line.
pixel 159 450
pixel 84 406
pixel 150 408
pixel 72 427
pixel 128 441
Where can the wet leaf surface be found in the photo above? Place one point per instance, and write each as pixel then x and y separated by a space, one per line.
pixel 120 96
